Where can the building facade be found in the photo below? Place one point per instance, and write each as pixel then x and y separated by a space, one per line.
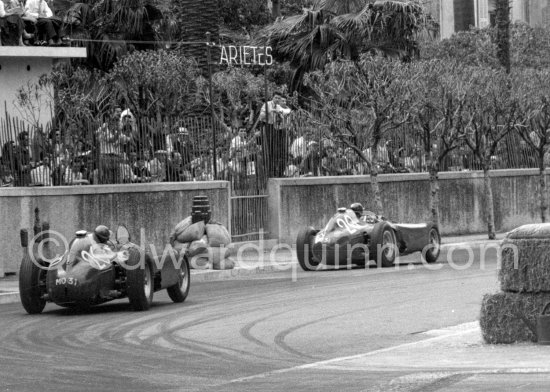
pixel 459 15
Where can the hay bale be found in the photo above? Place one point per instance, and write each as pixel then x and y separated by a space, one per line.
pixel 217 235
pixel 511 317
pixel 525 256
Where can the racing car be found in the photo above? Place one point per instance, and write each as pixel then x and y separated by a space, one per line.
pixel 355 236
pixel 98 267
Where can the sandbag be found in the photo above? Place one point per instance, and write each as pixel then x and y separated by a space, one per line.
pixel 224 264
pixel 217 254
pixel 200 261
pixel 181 247
pixel 192 233
pixel 198 247
pixel 180 228
pixel 217 235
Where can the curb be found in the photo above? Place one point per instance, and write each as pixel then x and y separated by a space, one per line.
pixel 9 298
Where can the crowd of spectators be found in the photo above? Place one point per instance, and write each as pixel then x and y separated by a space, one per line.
pixel 118 150
pixel 30 22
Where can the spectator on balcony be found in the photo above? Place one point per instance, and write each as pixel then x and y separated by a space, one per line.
pixel 12 26
pixel 48 27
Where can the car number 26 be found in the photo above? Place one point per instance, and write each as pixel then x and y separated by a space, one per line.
pixel 64 281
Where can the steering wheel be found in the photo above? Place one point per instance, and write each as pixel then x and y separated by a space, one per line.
pixel 370 217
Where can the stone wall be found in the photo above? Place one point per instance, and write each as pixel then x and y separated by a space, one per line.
pixel 152 209
pixel 298 202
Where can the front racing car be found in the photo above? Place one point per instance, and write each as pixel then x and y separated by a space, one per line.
pixel 97 268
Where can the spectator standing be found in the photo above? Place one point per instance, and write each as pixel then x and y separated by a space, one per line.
pixel 157 166
pixel 174 168
pixel 311 164
pixel 110 141
pixel 73 174
pixel 182 145
pixel 42 173
pixel 140 170
pixel 275 141
pixel 22 160
pixel 238 153
pixel 128 128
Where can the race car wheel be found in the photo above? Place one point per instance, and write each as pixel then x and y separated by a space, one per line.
pixel 432 250
pixel 178 292
pixel 384 245
pixel 139 282
pixel 304 249
pixel 32 285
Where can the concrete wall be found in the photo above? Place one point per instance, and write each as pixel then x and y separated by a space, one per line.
pixel 155 207
pixel 298 202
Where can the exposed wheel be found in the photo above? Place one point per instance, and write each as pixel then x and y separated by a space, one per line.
pixel 383 245
pixel 32 285
pixel 304 249
pixel 139 281
pixel 432 250
pixel 178 292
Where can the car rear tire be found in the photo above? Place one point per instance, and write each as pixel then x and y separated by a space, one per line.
pixel 432 250
pixel 178 292
pixel 32 286
pixel 385 241
pixel 304 249
pixel 139 281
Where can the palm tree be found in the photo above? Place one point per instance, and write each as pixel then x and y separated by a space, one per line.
pixel 343 29
pixel 110 28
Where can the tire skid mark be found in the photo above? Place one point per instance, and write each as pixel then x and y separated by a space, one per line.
pixel 280 338
pixel 245 331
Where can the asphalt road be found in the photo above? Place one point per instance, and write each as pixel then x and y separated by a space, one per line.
pixel 243 335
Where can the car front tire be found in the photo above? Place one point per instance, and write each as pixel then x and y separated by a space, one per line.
pixel 139 282
pixel 304 249
pixel 432 250
pixel 384 245
pixel 178 292
pixel 32 286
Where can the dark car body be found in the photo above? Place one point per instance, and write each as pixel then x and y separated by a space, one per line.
pixel 351 239
pixel 92 272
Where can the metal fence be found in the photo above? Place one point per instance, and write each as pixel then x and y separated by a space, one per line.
pixel 128 149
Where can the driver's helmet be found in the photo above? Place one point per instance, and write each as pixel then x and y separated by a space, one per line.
pixel 102 234
pixel 357 208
